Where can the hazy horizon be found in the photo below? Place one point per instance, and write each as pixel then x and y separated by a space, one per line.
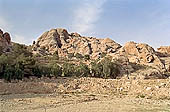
pixel 121 20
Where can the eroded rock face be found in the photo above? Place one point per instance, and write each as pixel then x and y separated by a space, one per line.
pixel 142 54
pixel 59 40
pixel 65 44
pixel 164 49
pixel 5 41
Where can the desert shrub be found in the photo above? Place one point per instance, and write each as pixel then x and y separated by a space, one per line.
pixel 56 70
pixel 110 69
pixel 28 64
pixel 82 70
pixel 18 73
pixel 45 70
pixel 96 69
pixel 37 70
pixel 105 69
pixel 13 72
pixel 68 70
pixel 18 49
pixel 9 73
pixel 4 61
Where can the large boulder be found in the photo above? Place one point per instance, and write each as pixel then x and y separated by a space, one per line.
pixel 142 54
pixel 164 50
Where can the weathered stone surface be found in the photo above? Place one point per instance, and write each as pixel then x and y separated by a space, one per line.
pixel 63 42
pixel 5 41
pixel 7 37
pixel 164 49
pixel 59 40
pixel 142 54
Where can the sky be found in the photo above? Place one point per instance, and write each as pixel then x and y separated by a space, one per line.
pixel 142 21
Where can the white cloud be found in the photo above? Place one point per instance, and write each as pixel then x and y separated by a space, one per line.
pixel 87 15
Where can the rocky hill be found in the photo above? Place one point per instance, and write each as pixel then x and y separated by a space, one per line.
pixel 60 41
pixel 64 44
pixel 73 45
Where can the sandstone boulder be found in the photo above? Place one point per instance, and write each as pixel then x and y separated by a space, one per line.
pixel 142 54
pixel 164 50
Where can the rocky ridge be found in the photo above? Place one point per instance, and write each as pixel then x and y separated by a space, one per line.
pixel 64 43
pixel 60 41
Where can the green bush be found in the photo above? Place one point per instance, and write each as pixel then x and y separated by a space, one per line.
pixel 96 69
pixel 105 69
pixel 56 70
pixel 82 70
pixel 68 70
pixel 18 73
pixel 18 49
pixel 28 64
pixel 110 69
pixel 9 73
pixel 37 70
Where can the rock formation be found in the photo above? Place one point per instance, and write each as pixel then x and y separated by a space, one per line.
pixel 142 54
pixel 5 41
pixel 164 50
pixel 59 40
pixel 64 43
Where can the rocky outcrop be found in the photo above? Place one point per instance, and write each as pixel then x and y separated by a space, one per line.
pixel 5 41
pixel 64 43
pixel 142 54
pixel 60 41
pixel 164 50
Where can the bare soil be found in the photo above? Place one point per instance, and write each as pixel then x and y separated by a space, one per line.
pixel 85 95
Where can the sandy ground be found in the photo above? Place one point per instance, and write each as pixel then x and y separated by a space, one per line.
pixel 80 103
pixel 85 95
